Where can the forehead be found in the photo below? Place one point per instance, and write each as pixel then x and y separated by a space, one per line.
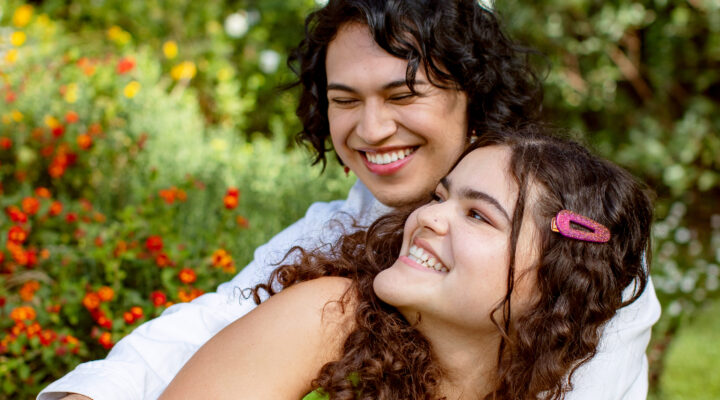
pixel 353 57
pixel 487 170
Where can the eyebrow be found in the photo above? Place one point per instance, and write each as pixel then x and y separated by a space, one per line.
pixel 387 86
pixel 473 194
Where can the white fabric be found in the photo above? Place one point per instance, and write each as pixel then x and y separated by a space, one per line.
pixel 142 364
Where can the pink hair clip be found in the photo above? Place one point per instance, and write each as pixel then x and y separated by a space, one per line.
pixel 598 233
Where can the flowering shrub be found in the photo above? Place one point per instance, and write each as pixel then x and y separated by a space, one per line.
pixel 116 200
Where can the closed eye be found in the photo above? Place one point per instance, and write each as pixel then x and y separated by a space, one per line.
pixel 341 101
pixel 404 96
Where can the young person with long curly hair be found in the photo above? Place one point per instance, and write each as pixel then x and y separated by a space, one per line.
pixel 399 89
pixel 498 288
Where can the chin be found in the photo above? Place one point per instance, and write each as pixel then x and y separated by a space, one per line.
pixel 399 197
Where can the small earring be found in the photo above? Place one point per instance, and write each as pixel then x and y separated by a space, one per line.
pixel 473 136
pixel 347 171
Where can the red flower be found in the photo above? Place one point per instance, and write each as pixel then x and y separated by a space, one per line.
pixel 104 321
pixel 6 143
pixel 16 215
pixel 105 340
pixel 187 276
pixel 158 298
pixel 71 117
pixel 71 217
pixel 58 131
pixel 10 97
pixel 154 243
pixel 17 234
pixel 30 205
pixel 84 141
pixel 125 65
pixel 233 191
pixel 47 337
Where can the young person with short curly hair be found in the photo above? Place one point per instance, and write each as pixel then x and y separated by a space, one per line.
pixel 400 88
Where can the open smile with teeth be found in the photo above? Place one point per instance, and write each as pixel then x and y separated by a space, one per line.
pixel 425 259
pixel 387 158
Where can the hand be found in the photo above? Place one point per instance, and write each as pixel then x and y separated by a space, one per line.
pixel 75 396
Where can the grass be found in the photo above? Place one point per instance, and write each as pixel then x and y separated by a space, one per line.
pixel 693 360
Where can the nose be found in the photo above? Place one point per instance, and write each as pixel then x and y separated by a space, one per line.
pixel 434 217
pixel 377 122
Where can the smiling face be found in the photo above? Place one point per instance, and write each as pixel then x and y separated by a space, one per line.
pixel 454 261
pixel 398 143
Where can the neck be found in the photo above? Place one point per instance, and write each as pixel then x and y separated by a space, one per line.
pixel 469 359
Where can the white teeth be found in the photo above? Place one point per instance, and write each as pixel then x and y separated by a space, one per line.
pixel 387 158
pixel 419 255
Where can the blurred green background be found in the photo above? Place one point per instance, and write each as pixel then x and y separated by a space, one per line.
pixel 142 117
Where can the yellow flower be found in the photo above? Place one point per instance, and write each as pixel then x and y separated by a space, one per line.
pixel 225 73
pixel 18 38
pixel 118 35
pixel 51 122
pixel 131 89
pixel 11 56
pixel 17 116
pixel 170 49
pixel 22 15
pixel 186 70
pixel 71 93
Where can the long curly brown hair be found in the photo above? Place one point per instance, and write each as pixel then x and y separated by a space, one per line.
pixel 579 284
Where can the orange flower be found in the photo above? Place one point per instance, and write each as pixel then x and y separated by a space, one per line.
pixel 47 337
pixel 168 195
pixel 158 298
pixel 91 301
pixel 105 293
pixel 30 205
pixel 154 243
pixel 128 317
pixel 16 215
pixel 230 202
pixel 125 65
pixel 28 289
pixel 23 313
pixel 187 296
pixel 242 222
pixel 187 275
pixel 104 321
pixel 43 193
pixel 71 117
pixel 137 312
pixel 95 129
pixel 222 259
pixel 105 340
pixel 162 260
pixel 84 141
pixel 17 234
pixel 55 208
pixel 120 248
pixel 33 329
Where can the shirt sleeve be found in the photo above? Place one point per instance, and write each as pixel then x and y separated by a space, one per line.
pixel 619 370
pixel 142 364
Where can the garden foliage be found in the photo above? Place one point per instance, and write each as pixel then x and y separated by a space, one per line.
pixel 145 151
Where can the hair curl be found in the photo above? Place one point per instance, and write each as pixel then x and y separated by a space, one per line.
pixel 457 41
pixel 579 284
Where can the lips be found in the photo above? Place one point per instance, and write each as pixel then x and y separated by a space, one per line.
pixel 387 162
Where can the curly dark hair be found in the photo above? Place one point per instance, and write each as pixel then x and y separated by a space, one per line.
pixel 458 42
pixel 580 285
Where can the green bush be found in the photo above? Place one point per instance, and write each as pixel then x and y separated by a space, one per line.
pixel 119 200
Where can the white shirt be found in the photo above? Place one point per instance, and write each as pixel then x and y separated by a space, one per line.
pixel 143 363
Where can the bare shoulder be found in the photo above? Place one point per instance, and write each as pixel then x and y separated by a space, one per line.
pixel 287 339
